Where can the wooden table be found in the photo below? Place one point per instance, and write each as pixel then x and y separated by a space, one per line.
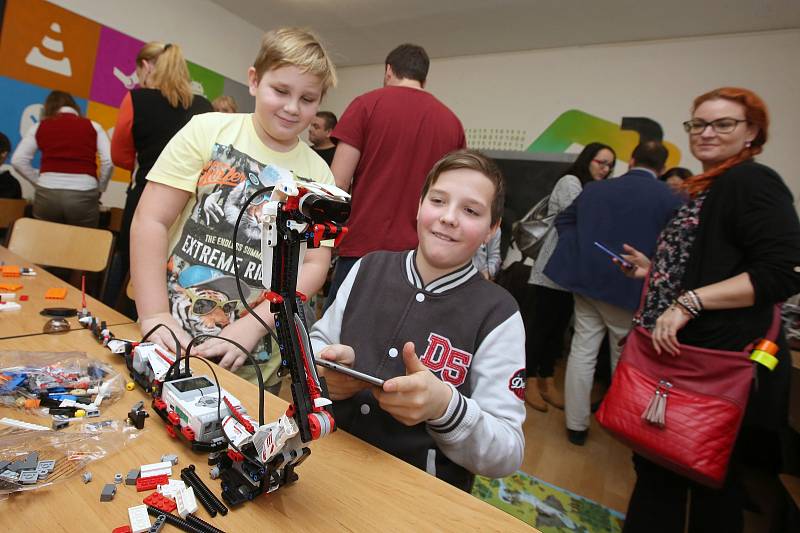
pixel 345 485
pixel 28 321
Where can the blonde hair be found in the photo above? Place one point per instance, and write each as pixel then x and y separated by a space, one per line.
pixel 295 47
pixel 170 75
pixel 225 104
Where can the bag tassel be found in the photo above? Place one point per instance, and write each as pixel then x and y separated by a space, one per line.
pixel 656 411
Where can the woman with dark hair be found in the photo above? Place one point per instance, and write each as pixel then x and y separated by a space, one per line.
pixel 68 185
pixel 148 118
pixel 550 306
pixel 675 177
pixel 727 257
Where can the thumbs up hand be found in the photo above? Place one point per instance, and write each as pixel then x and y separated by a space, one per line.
pixel 416 397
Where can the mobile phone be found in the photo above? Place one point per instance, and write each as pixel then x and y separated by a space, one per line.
pixel 626 264
pixel 372 380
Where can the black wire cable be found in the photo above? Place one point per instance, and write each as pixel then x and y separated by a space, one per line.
pixel 219 393
pixel 174 337
pixel 251 360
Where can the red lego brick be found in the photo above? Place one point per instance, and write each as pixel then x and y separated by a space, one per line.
pixel 150 483
pixel 121 529
pixel 161 502
pixel 23 297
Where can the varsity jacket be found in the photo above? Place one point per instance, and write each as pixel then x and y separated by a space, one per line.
pixel 467 331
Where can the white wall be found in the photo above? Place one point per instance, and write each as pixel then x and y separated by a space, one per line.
pixel 528 90
pixel 209 35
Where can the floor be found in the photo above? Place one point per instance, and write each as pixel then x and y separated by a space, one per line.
pixel 600 470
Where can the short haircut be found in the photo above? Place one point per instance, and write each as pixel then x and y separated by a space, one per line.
pixel 330 119
pixel 56 100
pixel 650 154
pixel 295 47
pixel 225 104
pixel 681 172
pixel 472 160
pixel 409 61
pixel 5 144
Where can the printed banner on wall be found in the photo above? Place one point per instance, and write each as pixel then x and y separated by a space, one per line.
pixel 115 67
pixel 21 106
pixel 205 82
pixel 48 46
pixel 45 47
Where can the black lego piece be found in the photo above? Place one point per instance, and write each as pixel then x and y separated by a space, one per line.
pixel 174 520
pixel 198 485
pixel 197 522
pixel 207 504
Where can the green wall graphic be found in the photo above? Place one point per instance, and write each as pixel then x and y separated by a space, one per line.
pixel 579 127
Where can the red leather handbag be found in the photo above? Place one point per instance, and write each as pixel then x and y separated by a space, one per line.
pixel 682 412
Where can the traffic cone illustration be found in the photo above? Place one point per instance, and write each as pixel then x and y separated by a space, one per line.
pixel 54 46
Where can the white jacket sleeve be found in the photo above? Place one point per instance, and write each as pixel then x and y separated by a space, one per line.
pixel 104 154
pixel 23 156
pixel 483 433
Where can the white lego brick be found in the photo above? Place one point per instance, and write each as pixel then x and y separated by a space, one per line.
pixel 156 469
pixel 10 306
pixel 140 521
pixel 186 502
pixel 171 488
pixel 23 425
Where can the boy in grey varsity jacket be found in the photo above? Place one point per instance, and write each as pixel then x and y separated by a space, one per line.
pixel 457 410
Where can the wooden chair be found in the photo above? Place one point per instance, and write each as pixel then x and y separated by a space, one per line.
pixel 115 219
pixel 11 210
pixel 62 246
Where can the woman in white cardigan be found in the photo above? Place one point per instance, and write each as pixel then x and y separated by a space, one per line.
pixel 550 306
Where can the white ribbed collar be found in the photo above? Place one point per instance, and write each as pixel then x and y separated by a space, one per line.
pixel 445 283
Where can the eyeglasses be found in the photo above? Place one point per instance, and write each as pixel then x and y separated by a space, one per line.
pixel 203 305
pixel 721 125
pixel 607 164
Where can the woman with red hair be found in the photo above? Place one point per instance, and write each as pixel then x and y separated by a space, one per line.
pixel 729 255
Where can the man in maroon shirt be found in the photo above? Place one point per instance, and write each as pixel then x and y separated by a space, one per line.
pixel 388 140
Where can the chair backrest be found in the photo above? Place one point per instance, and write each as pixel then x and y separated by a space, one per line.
pixel 61 245
pixel 11 210
pixel 115 219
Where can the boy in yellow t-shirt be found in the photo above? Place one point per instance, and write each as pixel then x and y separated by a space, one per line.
pixel 196 190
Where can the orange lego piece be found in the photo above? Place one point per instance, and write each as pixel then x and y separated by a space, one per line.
pixel 10 271
pixel 10 286
pixel 56 293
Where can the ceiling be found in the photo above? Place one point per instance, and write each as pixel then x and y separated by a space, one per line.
pixel 359 32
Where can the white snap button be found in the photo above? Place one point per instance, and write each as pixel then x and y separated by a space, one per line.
pixel 393 352
pixel 797 269
pixel 420 297
pixel 364 409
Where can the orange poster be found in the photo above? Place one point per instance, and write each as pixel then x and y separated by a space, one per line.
pixel 106 116
pixel 48 46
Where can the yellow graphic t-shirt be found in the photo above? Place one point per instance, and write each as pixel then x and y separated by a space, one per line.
pixel 219 158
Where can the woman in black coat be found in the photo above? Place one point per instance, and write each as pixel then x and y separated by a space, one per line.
pixel 730 254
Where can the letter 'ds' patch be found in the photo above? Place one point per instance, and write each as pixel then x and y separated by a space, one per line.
pixel 517 384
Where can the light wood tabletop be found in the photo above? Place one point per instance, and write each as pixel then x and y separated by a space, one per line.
pixel 345 485
pixel 27 320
